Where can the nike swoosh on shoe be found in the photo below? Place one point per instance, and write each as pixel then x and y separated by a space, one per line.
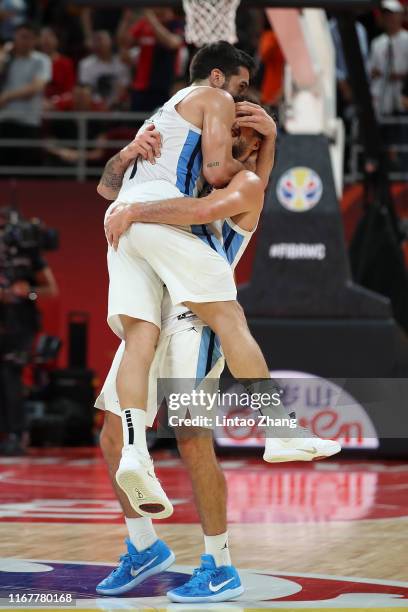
pixel 218 587
pixel 138 571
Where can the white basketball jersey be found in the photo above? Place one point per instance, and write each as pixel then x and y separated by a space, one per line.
pixel 180 163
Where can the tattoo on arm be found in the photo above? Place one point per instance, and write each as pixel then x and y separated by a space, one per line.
pixel 213 164
pixel 112 176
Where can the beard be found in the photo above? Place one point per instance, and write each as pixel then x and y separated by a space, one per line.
pixel 239 149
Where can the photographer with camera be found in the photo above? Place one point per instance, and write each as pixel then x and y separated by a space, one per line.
pixel 24 277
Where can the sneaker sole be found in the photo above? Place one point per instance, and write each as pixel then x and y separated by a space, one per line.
pixel 297 454
pixel 139 579
pixel 130 482
pixel 217 597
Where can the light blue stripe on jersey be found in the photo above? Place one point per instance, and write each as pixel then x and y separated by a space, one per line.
pixel 203 232
pixel 208 355
pixel 189 164
pixel 196 172
pixel 232 242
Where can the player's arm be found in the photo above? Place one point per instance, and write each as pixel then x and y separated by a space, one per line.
pixel 147 144
pixel 164 36
pixel 25 91
pixel 244 193
pixel 219 166
pixel 37 84
pixel 254 116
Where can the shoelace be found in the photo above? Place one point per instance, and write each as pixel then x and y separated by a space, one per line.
pixel 149 466
pixel 127 560
pixel 200 576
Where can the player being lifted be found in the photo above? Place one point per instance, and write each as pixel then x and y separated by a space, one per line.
pixel 191 260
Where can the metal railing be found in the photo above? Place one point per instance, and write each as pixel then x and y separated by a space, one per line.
pixel 397 150
pixel 82 169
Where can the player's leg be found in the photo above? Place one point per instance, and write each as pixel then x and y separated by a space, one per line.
pixel 134 313
pixel 140 339
pixel 247 363
pixel 146 554
pixel 242 353
pixel 198 455
pixel 217 580
pixel 182 359
pixel 135 473
pixel 204 281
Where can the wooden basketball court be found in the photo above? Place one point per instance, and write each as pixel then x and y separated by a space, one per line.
pixel 329 535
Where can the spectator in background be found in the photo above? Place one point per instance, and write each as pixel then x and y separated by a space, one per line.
pixel 345 94
pixel 63 74
pixel 19 323
pixel 389 61
pixel 24 75
pixel 159 35
pixel 105 72
pixel 79 100
pixel 273 65
pixel 404 99
pixel 12 14
pixel 106 145
pixel 71 23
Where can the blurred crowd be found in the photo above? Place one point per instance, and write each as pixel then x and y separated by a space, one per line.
pixel 55 56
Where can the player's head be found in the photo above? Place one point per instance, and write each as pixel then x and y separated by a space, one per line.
pixel 25 38
pixel 223 66
pixel 245 140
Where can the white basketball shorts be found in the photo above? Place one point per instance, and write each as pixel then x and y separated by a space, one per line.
pixel 151 256
pixel 193 354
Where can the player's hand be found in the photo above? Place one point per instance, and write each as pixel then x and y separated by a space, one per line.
pixel 117 223
pixel 20 289
pixel 254 116
pixel 147 144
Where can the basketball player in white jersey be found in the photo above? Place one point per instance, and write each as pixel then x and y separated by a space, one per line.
pixel 184 352
pixel 149 258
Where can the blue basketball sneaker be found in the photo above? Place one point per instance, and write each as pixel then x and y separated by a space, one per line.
pixel 209 583
pixel 134 567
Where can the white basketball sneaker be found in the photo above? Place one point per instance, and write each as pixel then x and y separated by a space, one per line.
pixel 137 479
pixel 304 447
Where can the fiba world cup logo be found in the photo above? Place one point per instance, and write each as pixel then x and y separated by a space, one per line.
pixel 299 189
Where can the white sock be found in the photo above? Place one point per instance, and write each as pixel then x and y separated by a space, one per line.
pixel 141 532
pixel 273 412
pixel 217 546
pixel 134 428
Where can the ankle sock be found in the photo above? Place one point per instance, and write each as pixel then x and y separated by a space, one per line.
pixel 217 546
pixel 141 532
